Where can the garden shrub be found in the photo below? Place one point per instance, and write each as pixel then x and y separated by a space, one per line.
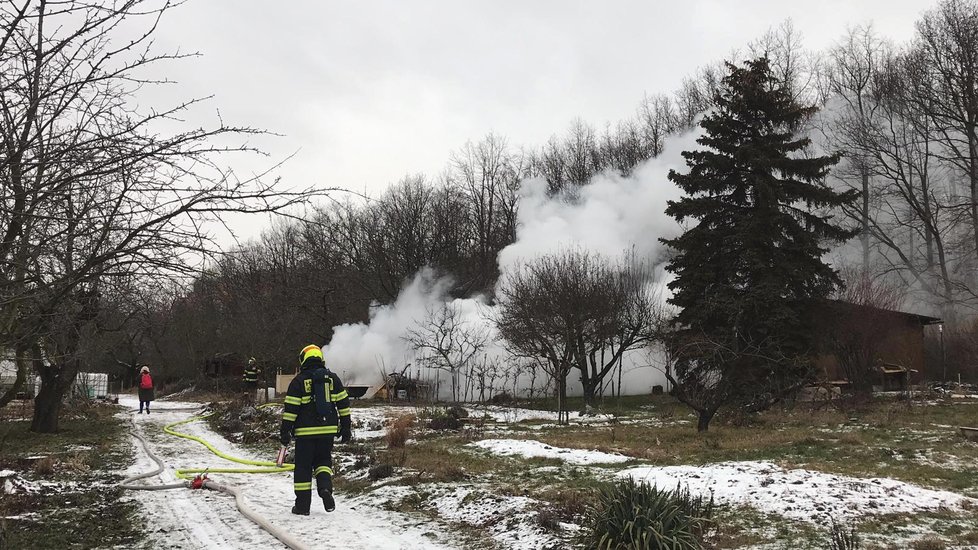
pixel 631 515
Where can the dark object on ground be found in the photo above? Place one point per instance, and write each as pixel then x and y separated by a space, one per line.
pixel 445 420
pixel 501 398
pixel 380 471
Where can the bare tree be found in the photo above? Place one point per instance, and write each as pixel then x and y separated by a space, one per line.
pixel 794 66
pixel 710 372
pixel 577 310
pixel 448 342
pixel 92 187
pixel 947 52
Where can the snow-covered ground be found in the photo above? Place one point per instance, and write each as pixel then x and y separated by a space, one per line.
pixel 204 519
pixel 804 495
pixel 183 518
pixel 513 415
pixel 529 448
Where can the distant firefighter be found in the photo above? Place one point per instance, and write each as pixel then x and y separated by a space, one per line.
pixel 250 377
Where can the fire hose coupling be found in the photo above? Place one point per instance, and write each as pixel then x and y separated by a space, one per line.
pixel 198 481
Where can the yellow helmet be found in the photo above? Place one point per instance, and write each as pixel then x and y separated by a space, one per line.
pixel 311 350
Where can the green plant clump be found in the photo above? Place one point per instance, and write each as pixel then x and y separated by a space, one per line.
pixel 631 515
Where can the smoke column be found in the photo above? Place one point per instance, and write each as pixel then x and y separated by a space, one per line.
pixel 608 216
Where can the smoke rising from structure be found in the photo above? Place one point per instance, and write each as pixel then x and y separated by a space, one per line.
pixel 610 216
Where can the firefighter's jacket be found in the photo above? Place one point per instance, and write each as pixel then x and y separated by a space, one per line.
pixel 301 417
pixel 250 374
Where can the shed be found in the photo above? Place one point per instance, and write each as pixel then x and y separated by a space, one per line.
pixel 889 342
pixel 225 364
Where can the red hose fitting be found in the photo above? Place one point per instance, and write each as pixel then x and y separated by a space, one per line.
pixel 198 481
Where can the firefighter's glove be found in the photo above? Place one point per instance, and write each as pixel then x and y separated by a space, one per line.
pixel 346 435
pixel 285 437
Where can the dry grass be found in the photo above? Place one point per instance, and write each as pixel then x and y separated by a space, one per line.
pixel 76 463
pixel 44 467
pixel 929 543
pixel 399 430
pixel 438 460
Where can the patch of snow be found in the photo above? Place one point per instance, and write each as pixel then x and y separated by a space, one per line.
pixel 510 519
pixel 513 415
pixel 803 495
pixel 535 449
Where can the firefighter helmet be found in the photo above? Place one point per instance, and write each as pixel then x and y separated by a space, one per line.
pixel 309 351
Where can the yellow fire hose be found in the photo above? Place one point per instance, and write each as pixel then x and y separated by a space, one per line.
pixel 268 467
pixel 184 473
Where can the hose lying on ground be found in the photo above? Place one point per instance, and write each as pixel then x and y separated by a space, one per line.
pixel 268 467
pixel 282 536
pixel 128 482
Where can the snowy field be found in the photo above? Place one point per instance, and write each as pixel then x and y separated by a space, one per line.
pixel 405 511
pixel 802 495
pixel 183 518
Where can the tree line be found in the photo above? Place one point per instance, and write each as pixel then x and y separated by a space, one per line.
pixel 99 215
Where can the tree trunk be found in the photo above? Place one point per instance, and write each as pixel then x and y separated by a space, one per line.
pixel 864 233
pixel 590 390
pixel 47 408
pixel 973 184
pixel 705 416
pixel 56 380
pixel 562 416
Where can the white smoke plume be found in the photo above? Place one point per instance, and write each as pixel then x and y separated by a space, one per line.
pixel 609 216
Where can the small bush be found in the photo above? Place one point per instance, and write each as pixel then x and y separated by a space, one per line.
pixel 445 420
pixel 450 473
pixel 399 430
pixel 44 467
pixel 567 506
pixel 380 471
pixel 501 398
pixel 842 537
pixel 636 516
pixel 549 518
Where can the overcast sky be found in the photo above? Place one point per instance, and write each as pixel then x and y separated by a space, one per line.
pixel 367 92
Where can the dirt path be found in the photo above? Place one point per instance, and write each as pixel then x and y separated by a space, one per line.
pixel 204 519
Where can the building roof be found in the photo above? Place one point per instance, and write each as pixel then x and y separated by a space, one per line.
pixel 916 317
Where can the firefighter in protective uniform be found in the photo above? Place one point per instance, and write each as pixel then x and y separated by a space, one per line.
pixel 250 377
pixel 317 408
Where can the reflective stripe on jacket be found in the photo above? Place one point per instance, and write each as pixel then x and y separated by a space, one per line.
pixel 301 418
pixel 250 374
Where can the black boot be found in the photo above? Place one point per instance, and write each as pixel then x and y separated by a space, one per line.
pixel 324 486
pixel 296 511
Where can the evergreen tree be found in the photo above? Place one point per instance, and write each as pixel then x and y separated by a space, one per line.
pixel 751 264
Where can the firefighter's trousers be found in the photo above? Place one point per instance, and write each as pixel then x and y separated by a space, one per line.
pixel 313 457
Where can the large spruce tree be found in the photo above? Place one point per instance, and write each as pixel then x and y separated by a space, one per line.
pixel 749 264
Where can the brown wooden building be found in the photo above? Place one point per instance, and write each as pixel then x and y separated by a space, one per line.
pixel 855 337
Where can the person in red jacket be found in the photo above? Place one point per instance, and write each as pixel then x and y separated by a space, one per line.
pixel 145 389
